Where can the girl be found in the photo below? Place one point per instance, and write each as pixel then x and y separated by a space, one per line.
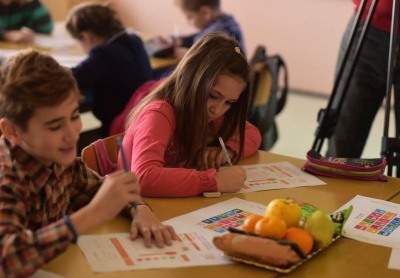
pixel 172 135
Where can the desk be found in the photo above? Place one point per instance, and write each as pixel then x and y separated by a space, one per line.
pixel 70 48
pixel 344 258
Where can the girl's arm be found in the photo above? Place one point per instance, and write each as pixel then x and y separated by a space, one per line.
pixel 146 142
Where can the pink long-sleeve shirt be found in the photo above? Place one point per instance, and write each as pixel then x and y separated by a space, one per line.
pixel 147 145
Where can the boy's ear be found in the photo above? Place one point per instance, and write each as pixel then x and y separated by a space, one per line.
pixel 86 36
pixel 11 131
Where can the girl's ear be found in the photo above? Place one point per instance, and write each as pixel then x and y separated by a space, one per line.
pixel 10 131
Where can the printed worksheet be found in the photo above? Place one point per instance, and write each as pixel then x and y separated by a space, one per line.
pixel 394 261
pixel 196 230
pixel 373 221
pixel 275 176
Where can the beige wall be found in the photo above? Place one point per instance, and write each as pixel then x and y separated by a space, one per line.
pixel 306 33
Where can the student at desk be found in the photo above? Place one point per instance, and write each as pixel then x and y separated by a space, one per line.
pixel 19 19
pixel 206 16
pixel 48 197
pixel 117 64
pixel 172 138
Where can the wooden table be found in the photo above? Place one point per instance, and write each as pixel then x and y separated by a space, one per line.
pixel 344 258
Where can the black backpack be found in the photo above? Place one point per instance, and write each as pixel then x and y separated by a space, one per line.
pixel 268 96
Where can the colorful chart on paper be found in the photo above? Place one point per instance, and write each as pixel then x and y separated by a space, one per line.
pixel 380 222
pixel 221 222
pixel 275 176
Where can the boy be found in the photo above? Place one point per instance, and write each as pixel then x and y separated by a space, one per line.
pixel 117 63
pixel 19 19
pixel 205 15
pixel 48 196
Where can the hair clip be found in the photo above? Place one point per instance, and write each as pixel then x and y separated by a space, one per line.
pixel 237 49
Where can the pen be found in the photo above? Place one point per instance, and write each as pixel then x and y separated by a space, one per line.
pixel 126 168
pixel 225 151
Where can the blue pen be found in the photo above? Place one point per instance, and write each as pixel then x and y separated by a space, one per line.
pixel 119 142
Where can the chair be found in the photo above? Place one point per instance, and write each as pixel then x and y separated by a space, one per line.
pixel 268 97
pixel 102 155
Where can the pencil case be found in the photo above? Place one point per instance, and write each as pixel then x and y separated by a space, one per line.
pixel 350 168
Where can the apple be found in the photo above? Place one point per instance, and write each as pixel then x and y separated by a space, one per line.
pixel 286 209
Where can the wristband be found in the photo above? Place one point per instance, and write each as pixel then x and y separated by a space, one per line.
pixel 71 228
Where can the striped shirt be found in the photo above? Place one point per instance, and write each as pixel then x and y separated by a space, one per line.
pixel 33 200
pixel 32 15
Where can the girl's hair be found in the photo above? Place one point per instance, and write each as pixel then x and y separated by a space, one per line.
pixel 195 5
pixel 94 17
pixel 29 80
pixel 188 89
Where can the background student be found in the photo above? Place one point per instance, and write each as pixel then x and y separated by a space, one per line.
pixel 206 16
pixel 48 197
pixel 367 87
pixel 172 136
pixel 20 19
pixel 117 64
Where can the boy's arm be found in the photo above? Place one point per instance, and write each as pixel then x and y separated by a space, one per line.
pixel 187 41
pixel 39 20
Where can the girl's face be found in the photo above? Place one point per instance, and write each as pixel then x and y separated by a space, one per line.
pixel 226 90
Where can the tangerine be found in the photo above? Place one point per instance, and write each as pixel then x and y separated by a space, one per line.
pixel 301 237
pixel 250 222
pixel 271 226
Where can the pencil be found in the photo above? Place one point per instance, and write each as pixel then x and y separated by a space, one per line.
pixel 225 151
pixel 126 168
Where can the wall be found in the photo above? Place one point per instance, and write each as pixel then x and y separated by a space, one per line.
pixel 306 33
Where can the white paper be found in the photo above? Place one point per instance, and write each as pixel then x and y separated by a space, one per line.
pixel 276 176
pixel 394 261
pixel 373 221
pixel 44 274
pixel 116 252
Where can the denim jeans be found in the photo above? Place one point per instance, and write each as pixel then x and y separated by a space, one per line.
pixel 365 93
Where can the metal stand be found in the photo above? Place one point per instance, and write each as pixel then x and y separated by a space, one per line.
pixel 327 118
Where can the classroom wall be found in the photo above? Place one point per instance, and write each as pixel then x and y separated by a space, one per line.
pixel 306 33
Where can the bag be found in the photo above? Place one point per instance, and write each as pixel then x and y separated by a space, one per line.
pixel 268 96
pixel 350 168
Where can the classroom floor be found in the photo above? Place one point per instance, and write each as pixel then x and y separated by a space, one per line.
pixel 298 121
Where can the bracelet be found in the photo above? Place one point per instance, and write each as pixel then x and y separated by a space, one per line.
pixel 135 205
pixel 71 228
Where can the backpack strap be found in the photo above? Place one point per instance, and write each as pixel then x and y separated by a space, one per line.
pixel 283 90
pixel 104 163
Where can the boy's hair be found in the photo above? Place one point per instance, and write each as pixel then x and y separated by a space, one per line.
pixel 94 17
pixel 188 89
pixel 29 80
pixel 195 5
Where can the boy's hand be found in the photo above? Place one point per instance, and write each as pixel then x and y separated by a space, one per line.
pixel 230 179
pixel 146 224
pixel 118 189
pixel 19 36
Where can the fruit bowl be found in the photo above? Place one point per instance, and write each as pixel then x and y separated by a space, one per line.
pixel 281 269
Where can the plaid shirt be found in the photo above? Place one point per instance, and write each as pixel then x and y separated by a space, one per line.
pixel 33 200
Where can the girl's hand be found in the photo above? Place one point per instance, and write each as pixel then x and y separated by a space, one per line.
pixel 230 179
pixel 118 189
pixel 147 224
pixel 214 157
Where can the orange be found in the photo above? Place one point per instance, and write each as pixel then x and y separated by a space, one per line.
pixel 271 226
pixel 250 222
pixel 301 237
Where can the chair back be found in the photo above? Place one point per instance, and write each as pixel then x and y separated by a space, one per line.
pixel 102 155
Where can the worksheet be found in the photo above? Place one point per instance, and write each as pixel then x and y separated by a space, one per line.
pixel 276 176
pixel 373 221
pixel 196 230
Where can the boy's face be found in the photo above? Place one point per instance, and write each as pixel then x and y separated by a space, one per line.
pixel 199 19
pixel 53 132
